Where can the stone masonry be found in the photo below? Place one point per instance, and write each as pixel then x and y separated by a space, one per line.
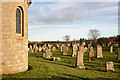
pixel 14 46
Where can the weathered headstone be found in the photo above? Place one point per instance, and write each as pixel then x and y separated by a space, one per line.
pixel 91 54
pixel 74 51
pixel 48 54
pixel 61 48
pixel 99 51
pixel 53 49
pixel 111 49
pixel 64 48
pixel 31 50
pixel 36 48
pixel 33 46
pixel 80 63
pixel 109 66
pixel 40 49
pixel 56 59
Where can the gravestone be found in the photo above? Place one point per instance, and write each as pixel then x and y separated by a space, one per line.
pixel 56 59
pixel 31 50
pixel 99 51
pixel 64 48
pixel 109 66
pixel 33 46
pixel 61 48
pixel 53 49
pixel 36 48
pixel 48 54
pixel 74 51
pixel 91 54
pixel 111 49
pixel 80 63
pixel 40 49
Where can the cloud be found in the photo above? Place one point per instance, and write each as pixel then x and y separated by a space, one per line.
pixel 63 13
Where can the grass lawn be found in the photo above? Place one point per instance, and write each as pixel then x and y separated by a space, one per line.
pixel 42 68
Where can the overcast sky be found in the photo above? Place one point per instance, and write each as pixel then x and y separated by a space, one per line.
pixel 51 21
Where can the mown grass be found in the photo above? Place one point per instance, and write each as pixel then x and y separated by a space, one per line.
pixel 42 68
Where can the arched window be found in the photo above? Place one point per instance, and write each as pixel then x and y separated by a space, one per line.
pixel 19 21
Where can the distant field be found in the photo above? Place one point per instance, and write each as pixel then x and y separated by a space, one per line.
pixel 42 68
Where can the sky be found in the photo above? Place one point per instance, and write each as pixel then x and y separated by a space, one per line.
pixel 51 21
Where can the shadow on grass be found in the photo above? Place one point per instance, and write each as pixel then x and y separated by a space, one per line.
pixel 29 68
pixel 60 64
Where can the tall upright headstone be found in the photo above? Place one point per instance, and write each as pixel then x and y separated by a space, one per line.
pixel 99 51
pixel 61 48
pixel 40 49
pixel 36 48
pixel 64 48
pixel 74 51
pixel 80 63
pixel 31 50
pixel 111 49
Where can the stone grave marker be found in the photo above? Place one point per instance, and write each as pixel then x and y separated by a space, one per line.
pixel 53 49
pixel 64 48
pixel 91 54
pixel 80 63
pixel 40 49
pixel 111 49
pixel 99 51
pixel 56 59
pixel 61 48
pixel 109 66
pixel 74 51
pixel 48 54
pixel 36 48
pixel 31 50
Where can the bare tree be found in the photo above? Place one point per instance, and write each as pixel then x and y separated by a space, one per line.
pixel 66 38
pixel 93 34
